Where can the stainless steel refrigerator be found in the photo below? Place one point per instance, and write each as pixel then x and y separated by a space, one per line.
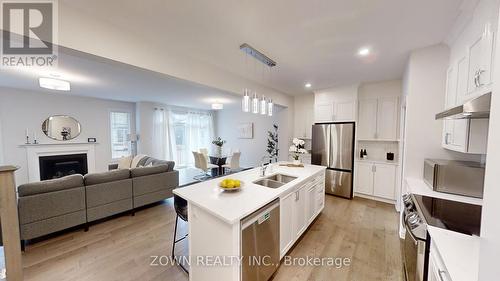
pixel 333 147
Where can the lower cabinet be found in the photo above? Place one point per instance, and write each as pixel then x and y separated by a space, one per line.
pixel 437 270
pixel 376 179
pixel 298 209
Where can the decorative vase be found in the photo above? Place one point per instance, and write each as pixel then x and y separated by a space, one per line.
pixel 218 150
pixel 296 162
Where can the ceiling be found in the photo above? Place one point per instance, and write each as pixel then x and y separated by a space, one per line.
pixel 312 41
pixel 93 76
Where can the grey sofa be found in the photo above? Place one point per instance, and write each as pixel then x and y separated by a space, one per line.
pixel 49 206
pixel 52 205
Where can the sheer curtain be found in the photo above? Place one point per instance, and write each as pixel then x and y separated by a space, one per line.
pixel 163 134
pixel 179 132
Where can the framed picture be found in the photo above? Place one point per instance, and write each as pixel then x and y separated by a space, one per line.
pixel 245 131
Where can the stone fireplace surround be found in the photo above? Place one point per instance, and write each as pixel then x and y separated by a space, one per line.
pixel 34 151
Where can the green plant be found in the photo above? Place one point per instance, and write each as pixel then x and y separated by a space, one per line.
pixel 272 142
pixel 219 142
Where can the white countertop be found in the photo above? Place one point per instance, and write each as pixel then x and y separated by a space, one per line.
pixel 232 206
pixel 375 161
pixel 418 186
pixel 460 253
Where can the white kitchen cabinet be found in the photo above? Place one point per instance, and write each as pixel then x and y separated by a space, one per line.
pixel 299 221
pixel 462 80
pixel 364 178
pixel 480 62
pixel 384 181
pixel 376 179
pixel 304 117
pixel 437 270
pixel 286 227
pixel 387 118
pixel 378 119
pixel 466 135
pixel 311 203
pixel 344 111
pixel 323 112
pixel 367 119
pixel 298 209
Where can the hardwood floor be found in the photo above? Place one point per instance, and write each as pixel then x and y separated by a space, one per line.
pixel 121 248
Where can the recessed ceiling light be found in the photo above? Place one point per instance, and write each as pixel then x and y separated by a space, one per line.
pixel 308 85
pixel 364 52
pixel 54 84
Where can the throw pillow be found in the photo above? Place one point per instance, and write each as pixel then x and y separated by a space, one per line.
pixel 136 160
pixel 124 162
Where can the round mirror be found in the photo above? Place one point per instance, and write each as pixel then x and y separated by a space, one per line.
pixel 61 127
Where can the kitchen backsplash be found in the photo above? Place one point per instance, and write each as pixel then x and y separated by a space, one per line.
pixel 377 150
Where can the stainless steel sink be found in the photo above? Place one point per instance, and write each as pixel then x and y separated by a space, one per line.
pixel 269 183
pixel 275 181
pixel 281 178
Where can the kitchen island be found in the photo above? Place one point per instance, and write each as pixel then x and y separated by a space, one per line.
pixel 215 216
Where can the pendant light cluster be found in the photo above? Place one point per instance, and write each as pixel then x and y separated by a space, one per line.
pixel 251 101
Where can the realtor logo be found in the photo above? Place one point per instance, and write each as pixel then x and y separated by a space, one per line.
pixel 29 37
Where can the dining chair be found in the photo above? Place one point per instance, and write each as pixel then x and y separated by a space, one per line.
pixel 203 165
pixel 181 211
pixel 234 162
pixel 204 151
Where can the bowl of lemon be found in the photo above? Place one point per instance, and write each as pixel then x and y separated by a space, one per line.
pixel 230 184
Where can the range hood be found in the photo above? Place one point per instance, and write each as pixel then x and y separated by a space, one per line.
pixel 478 108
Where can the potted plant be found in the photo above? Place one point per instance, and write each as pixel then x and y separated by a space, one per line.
pixel 297 148
pixel 218 142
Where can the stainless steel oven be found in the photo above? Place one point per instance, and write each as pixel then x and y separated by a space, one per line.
pixel 415 241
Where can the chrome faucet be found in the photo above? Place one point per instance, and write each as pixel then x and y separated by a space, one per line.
pixel 263 166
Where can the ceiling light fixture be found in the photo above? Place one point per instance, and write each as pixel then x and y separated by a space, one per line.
pixel 263 105
pixel 245 102
pixel 217 106
pixel 364 52
pixel 270 108
pixel 54 84
pixel 308 85
pixel 255 104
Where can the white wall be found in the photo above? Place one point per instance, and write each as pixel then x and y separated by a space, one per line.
pixel 380 89
pixel 490 228
pixel 20 109
pixel 252 150
pixel 425 95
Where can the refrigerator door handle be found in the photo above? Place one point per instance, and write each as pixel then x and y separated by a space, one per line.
pixel 328 143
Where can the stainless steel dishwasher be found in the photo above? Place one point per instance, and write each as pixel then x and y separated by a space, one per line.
pixel 260 243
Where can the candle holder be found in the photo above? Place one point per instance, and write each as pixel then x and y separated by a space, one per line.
pixel 28 140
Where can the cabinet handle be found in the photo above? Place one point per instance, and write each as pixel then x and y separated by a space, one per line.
pixel 479 72
pixel 446 138
pixel 440 273
pixel 475 79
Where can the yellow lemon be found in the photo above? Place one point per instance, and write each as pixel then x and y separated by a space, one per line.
pixel 237 183
pixel 230 185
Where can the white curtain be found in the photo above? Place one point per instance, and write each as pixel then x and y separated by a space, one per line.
pixel 163 134
pixel 179 132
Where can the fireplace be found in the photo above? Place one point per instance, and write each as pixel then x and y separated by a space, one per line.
pixel 57 166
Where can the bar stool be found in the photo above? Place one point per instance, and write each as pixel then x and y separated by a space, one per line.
pixel 181 210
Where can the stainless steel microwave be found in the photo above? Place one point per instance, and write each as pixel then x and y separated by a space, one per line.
pixel 455 177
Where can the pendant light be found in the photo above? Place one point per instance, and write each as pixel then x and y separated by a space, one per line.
pixel 270 108
pixel 245 102
pixel 263 106
pixel 255 104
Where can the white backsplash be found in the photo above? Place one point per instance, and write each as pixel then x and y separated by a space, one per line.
pixel 377 150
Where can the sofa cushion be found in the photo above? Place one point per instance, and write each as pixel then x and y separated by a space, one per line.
pixel 139 160
pixel 105 177
pixel 156 162
pixel 125 162
pixel 145 171
pixel 63 183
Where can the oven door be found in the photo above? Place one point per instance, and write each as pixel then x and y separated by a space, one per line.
pixel 414 256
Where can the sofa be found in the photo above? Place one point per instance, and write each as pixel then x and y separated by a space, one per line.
pixel 53 205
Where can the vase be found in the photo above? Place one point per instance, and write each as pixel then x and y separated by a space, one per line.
pixel 296 162
pixel 218 151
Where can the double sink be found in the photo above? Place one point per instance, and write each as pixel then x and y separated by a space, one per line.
pixel 274 181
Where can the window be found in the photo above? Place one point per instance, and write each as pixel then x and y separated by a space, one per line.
pixel 120 131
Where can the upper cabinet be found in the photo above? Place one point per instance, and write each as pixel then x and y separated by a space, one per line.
pixel 378 119
pixel 304 116
pixel 480 62
pixel 336 104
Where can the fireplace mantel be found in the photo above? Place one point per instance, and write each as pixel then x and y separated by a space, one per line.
pixel 34 151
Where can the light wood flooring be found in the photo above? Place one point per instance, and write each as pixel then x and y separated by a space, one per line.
pixel 121 248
